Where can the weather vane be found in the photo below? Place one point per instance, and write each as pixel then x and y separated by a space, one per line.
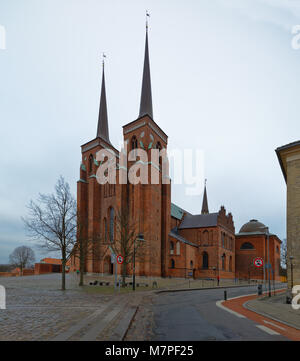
pixel 147 16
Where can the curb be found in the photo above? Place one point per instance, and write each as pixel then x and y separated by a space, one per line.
pixel 129 324
pixel 202 288
pixel 247 307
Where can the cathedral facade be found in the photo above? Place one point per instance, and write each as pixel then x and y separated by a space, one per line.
pixel 176 243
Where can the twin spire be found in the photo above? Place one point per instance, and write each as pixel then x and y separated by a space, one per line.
pixel 146 97
pixel 102 130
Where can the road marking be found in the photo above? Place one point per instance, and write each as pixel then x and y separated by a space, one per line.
pixel 253 294
pixel 273 324
pixel 219 304
pixel 267 330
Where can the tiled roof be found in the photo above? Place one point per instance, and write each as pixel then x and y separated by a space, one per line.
pixel 173 233
pixel 199 220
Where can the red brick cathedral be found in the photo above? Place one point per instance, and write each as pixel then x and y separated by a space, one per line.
pixel 177 243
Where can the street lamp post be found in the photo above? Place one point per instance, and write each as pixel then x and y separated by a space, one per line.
pixel 266 229
pixel 269 266
pixel 292 279
pixel 139 238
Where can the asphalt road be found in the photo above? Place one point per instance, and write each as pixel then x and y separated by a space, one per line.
pixel 194 316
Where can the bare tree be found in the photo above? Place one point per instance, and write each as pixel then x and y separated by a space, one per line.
pixel 126 239
pixel 52 222
pixel 22 257
pixel 86 248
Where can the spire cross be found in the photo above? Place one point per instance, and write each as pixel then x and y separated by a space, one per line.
pixel 205 181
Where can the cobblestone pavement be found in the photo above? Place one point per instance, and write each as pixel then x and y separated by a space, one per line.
pixel 142 325
pixel 38 310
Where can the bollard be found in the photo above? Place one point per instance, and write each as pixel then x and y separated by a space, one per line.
pixel 225 295
pixel 259 290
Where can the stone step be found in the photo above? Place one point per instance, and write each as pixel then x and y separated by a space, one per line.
pixel 87 322
pixel 95 331
pixel 120 330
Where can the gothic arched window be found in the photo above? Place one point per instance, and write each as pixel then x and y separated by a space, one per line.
pixel 111 224
pixel 91 159
pixel 171 247
pixel 105 230
pixel 134 142
pixel 159 147
pixel 178 248
pixel 205 260
pixel 223 262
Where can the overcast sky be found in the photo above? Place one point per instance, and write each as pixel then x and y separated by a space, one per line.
pixel 225 79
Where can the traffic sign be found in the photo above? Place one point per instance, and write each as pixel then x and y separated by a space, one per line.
pixel 120 259
pixel 258 262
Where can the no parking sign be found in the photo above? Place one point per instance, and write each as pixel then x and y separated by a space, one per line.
pixel 120 259
pixel 258 262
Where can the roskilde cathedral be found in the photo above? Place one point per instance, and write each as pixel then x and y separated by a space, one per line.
pixel 177 243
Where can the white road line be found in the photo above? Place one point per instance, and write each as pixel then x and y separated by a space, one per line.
pixel 267 330
pixel 273 324
pixel 219 304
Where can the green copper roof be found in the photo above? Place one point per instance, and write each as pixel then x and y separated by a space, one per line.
pixel 176 211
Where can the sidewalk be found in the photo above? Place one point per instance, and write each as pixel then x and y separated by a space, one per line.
pixel 275 308
pixel 272 325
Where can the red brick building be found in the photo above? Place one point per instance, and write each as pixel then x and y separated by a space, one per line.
pixel 177 243
pixel 251 242
pixel 48 265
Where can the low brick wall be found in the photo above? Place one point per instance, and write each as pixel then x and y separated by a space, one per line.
pixel 28 272
pixel 8 274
